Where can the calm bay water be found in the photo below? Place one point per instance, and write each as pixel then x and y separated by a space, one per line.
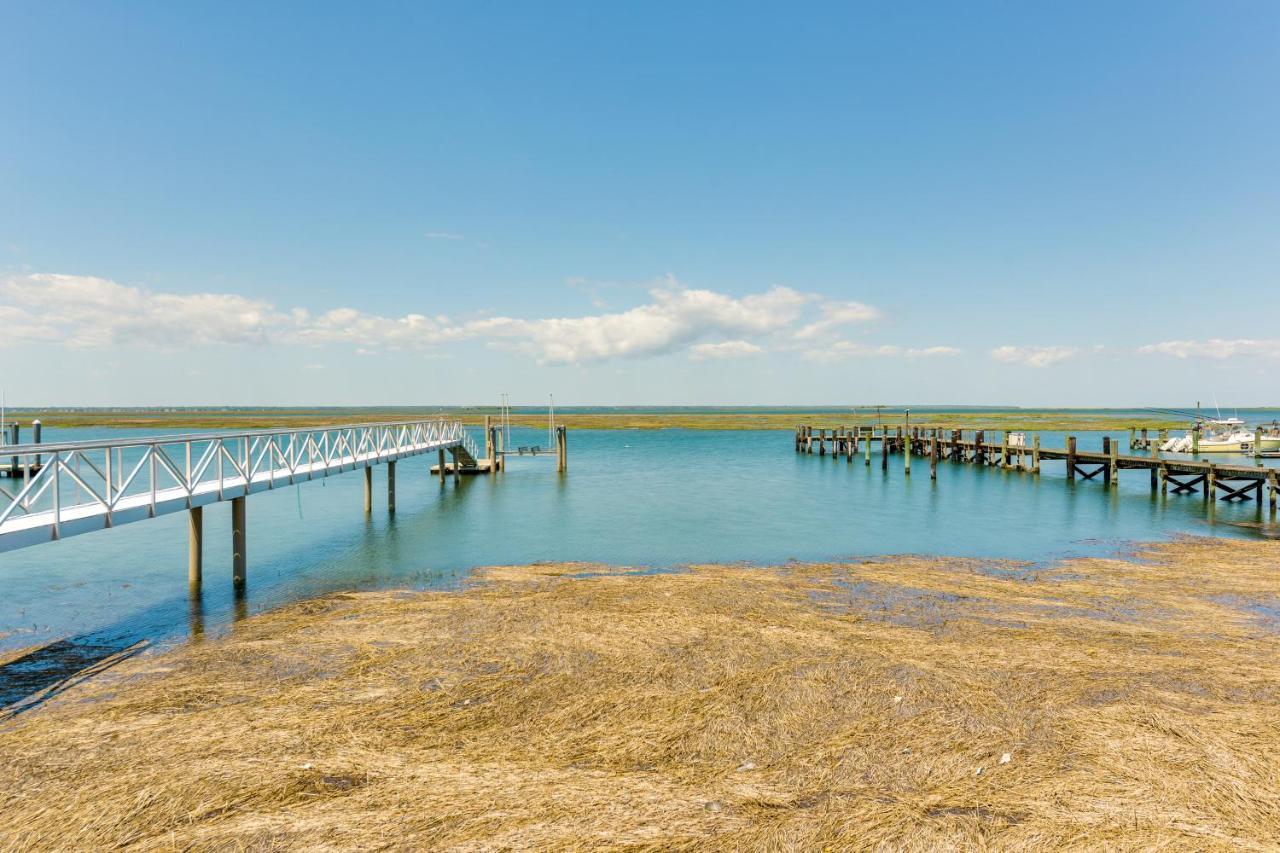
pixel 659 499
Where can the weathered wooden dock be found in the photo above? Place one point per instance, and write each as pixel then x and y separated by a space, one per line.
pixel 1013 451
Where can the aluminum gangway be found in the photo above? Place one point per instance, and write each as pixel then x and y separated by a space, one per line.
pixel 63 489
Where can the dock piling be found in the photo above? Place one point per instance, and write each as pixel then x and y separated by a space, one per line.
pixel 562 450
pixel 1071 457
pixel 391 486
pixel 239 541
pixel 368 488
pixel 195 545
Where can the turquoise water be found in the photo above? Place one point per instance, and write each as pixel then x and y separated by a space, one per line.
pixel 659 499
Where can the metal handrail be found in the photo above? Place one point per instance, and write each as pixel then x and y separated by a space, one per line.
pixel 174 438
pixel 86 480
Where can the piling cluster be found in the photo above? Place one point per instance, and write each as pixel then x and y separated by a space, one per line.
pixel 1014 452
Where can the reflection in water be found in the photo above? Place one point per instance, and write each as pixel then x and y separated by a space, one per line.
pixel 195 611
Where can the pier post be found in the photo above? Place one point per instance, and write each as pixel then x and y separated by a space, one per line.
pixel 195 545
pixel 1273 487
pixel 1164 479
pixel 1071 457
pixel 562 450
pixel 1132 438
pixel 884 449
pixel 979 446
pixel 1113 467
pixel 1257 445
pixel 1211 484
pixel 1106 451
pixel 1144 441
pixel 440 464
pixel 1035 454
pixel 1004 449
pixel 906 454
pixel 35 438
pixel 1195 439
pixel 933 456
pixel 391 487
pixel 870 436
pixel 368 488
pixel 239 560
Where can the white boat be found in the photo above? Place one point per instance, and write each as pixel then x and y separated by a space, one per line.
pixel 1222 435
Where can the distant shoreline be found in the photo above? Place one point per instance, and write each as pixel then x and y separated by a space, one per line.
pixel 609 417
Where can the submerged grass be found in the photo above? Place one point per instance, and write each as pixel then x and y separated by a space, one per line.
pixel 911 703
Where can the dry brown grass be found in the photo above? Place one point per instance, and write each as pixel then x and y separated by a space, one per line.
pixel 843 706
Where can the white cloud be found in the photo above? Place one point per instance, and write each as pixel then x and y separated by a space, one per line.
pixel 86 311
pixel 724 349
pixel 1216 348
pixel 443 235
pixel 835 315
pixel 1034 356
pixel 674 319
pixel 851 349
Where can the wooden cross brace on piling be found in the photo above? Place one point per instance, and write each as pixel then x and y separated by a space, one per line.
pixel 1181 487
pixel 1243 492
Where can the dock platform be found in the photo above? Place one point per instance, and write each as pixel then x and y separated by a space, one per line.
pixel 1228 482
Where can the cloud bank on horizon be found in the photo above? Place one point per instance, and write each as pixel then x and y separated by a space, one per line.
pixel 90 312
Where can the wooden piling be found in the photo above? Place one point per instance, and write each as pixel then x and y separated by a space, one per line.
pixel 239 541
pixel 870 436
pixel 1004 449
pixel 368 488
pixel 1071 457
pixel 391 487
pixel 562 449
pixel 933 456
pixel 1273 488
pixel 440 464
pixel 195 545
pixel 1113 467
pixel 1035 453
pixel 1257 445
pixel 1106 451
pixel 884 449
pixel 1211 484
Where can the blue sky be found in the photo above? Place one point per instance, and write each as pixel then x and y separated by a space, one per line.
pixel 649 203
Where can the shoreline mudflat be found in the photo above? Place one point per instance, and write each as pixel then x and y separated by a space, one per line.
pixel 907 702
